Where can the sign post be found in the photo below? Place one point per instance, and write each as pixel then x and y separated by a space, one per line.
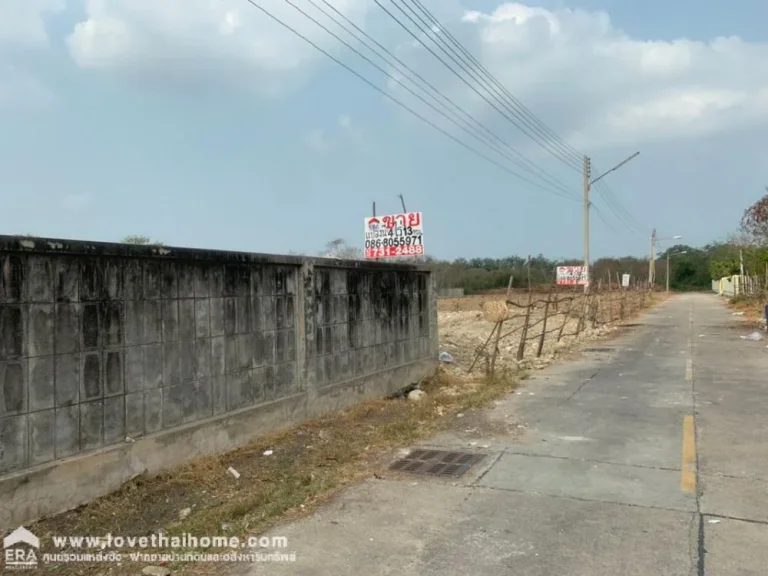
pixel 625 280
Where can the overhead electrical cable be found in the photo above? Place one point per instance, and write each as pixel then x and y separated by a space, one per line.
pixel 397 101
pixel 606 190
pixel 567 148
pixel 492 93
pixel 603 219
pixel 457 113
pixel 623 215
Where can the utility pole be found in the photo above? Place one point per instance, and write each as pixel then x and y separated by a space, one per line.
pixel 652 260
pixel 741 261
pixel 587 169
pixel 669 253
pixel 587 174
pixel 402 201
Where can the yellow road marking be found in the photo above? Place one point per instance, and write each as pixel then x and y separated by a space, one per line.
pixel 688 466
pixel 689 370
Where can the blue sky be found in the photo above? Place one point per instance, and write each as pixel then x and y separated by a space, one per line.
pixel 135 117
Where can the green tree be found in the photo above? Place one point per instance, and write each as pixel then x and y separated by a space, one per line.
pixel 754 222
pixel 140 241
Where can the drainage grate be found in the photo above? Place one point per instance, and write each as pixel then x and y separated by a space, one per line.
pixel 438 463
pixel 598 350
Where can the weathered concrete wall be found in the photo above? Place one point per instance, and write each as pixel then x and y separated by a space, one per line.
pixel 450 293
pixel 187 352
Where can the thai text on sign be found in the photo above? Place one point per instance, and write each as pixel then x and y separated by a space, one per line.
pixel 625 280
pixel 394 235
pixel 572 276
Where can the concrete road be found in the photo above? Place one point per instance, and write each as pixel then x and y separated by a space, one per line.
pixel 648 456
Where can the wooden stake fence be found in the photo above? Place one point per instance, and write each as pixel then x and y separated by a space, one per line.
pixel 595 307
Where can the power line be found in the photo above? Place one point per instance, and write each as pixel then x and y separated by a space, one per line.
pixel 398 102
pixel 569 150
pixel 621 217
pixel 525 115
pixel 552 181
pixel 603 219
pixel 426 29
pixel 572 156
pixel 399 65
pixel 624 215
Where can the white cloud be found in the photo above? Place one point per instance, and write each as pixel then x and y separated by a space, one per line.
pixel 317 141
pixel 200 40
pixel 22 21
pixel 22 27
pixel 349 130
pixel 345 133
pixel 591 82
pixel 596 86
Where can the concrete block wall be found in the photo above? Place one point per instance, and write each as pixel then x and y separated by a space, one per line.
pixel 366 322
pixel 103 342
pixel 94 350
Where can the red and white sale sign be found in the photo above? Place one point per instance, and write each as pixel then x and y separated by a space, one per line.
pixel 394 235
pixel 572 276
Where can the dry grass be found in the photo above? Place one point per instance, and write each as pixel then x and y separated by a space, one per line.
pixel 308 464
pixel 464 328
pixel 752 306
pixel 751 309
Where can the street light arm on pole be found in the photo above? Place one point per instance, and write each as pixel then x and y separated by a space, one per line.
pixel 672 254
pixel 619 165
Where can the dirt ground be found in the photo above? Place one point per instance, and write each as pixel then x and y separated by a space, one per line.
pixel 289 473
pixel 752 308
pixel 464 330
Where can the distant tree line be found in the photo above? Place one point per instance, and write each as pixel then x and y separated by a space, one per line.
pixel 690 268
pixel 690 271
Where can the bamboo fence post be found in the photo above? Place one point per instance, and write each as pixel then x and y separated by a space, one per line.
pixel 597 309
pixel 583 316
pixel 498 327
pixel 556 303
pixel 622 294
pixel 495 352
pixel 565 319
pixel 610 298
pixel 484 346
pixel 544 324
pixel 524 334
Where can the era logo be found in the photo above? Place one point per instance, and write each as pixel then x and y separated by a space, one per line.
pixel 20 546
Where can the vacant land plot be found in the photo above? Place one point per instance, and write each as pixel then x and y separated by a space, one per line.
pixel 286 474
pixel 549 323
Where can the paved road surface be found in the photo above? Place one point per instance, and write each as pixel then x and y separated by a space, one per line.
pixel 648 458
